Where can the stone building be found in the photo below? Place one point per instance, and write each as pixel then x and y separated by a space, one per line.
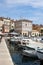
pixel 37 30
pixel 41 30
pixel 6 24
pixel 23 27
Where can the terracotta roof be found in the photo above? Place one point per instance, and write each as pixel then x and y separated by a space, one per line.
pixel 36 27
pixel 41 26
pixel 12 21
pixel 24 20
pixel 1 18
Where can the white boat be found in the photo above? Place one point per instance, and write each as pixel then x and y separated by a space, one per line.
pixel 41 40
pixel 13 33
pixel 38 39
pixel 12 39
pixel 25 41
pixel 40 53
pixel 28 51
pixel 32 51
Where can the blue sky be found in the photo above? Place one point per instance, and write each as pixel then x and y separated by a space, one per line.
pixel 26 9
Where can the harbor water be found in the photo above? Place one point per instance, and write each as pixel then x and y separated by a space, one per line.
pixel 23 60
pixel 20 59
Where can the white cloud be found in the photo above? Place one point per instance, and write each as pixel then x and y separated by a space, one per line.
pixel 36 20
pixel 17 1
pixel 33 3
pixel 37 3
pixel 32 14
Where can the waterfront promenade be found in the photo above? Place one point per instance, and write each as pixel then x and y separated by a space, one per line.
pixel 5 58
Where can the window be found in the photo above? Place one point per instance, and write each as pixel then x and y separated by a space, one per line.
pixel 23 33
pixel 41 31
pixel 25 24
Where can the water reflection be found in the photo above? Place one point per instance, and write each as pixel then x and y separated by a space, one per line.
pixel 23 60
pixel 19 59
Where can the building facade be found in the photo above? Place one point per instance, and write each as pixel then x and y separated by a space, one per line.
pixel 12 24
pixel 41 31
pixel 37 30
pixel 1 23
pixel 35 33
pixel 6 25
pixel 23 27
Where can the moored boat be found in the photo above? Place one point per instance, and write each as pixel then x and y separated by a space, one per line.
pixel 40 54
pixel 28 51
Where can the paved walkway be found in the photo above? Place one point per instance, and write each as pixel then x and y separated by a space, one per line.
pixel 5 58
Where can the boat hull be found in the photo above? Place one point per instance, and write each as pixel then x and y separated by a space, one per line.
pixel 40 55
pixel 29 53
